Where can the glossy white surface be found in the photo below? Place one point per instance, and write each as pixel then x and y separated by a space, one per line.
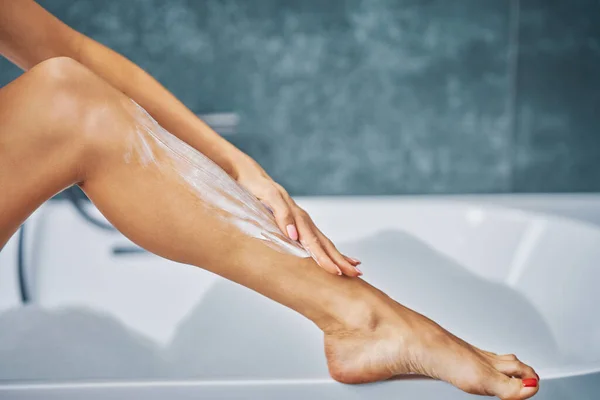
pixel 506 279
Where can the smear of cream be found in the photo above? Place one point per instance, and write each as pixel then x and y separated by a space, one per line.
pixel 207 181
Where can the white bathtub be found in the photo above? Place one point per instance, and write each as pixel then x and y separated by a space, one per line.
pixel 512 274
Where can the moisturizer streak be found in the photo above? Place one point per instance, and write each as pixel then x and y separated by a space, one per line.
pixel 153 145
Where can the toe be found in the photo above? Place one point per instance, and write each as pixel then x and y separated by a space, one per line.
pixel 495 356
pixel 507 357
pixel 488 354
pixel 515 369
pixel 513 388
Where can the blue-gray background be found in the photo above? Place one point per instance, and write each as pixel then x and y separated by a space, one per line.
pixel 379 96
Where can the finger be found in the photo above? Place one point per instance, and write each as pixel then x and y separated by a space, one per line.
pixel 352 260
pixel 283 214
pixel 320 256
pixel 308 232
pixel 311 243
pixel 337 257
pixel 267 207
pixel 348 267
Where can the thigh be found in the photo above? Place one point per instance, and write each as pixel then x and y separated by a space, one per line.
pixel 38 148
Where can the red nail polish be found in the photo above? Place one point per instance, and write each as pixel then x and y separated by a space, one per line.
pixel 530 382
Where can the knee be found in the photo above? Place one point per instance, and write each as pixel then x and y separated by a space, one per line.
pixel 60 73
pixel 71 92
pixel 75 99
pixel 59 89
pixel 59 68
pixel 56 81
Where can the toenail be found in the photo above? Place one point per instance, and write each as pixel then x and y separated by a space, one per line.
pixel 530 382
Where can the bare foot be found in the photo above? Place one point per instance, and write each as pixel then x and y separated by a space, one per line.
pixel 395 340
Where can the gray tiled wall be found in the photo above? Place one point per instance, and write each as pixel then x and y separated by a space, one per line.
pixel 379 96
pixel 558 80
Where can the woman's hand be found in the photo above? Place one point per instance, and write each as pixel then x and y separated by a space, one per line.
pixel 293 221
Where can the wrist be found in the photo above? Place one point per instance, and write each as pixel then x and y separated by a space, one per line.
pixel 243 167
pixel 226 156
pixel 232 160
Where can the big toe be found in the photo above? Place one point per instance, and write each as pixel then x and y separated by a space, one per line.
pixel 507 388
pixel 515 368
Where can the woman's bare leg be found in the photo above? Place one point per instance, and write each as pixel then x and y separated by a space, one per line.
pixel 61 125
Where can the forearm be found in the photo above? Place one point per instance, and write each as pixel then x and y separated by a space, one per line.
pixel 170 113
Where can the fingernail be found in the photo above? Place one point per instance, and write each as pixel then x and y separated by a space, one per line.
pixel 354 260
pixel 292 232
pixel 358 270
pixel 339 271
pixel 530 382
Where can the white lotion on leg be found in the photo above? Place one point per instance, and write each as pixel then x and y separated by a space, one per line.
pixel 207 181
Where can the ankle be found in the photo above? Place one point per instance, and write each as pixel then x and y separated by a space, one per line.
pixel 354 310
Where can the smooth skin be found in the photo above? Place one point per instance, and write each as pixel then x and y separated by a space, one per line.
pixel 30 35
pixel 61 124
